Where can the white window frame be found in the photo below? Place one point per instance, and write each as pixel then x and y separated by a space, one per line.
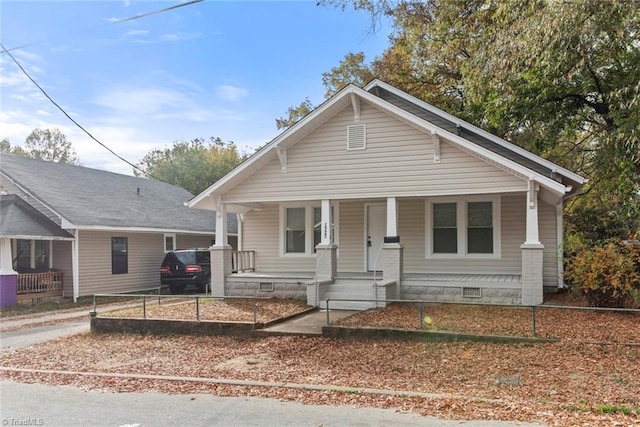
pixel 308 227
pixel 164 242
pixel 461 225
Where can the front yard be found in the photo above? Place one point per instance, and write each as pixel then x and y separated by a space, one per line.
pixel 574 381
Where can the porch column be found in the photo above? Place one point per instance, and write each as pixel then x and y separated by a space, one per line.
pixel 392 262
pixel 532 251
pixel 8 276
pixel 220 253
pixel 327 250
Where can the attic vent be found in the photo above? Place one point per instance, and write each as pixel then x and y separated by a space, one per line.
pixel 266 286
pixel 356 137
pixel 471 293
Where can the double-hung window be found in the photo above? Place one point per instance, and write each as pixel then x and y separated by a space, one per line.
pixel 302 228
pixel 463 227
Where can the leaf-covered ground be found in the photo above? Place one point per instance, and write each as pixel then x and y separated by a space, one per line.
pixel 235 310
pixel 570 382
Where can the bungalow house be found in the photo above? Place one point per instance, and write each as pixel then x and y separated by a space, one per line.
pixel 83 231
pixel 377 195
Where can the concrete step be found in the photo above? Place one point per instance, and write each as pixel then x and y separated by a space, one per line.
pixel 347 305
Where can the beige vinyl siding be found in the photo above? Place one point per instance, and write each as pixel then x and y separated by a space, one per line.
pixel 261 233
pixel 63 261
pixel 187 241
pixel 398 161
pixel 548 237
pixel 145 253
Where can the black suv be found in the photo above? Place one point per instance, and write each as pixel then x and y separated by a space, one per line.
pixel 186 267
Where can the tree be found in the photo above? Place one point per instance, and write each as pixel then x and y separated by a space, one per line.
pixel 51 145
pixel 6 147
pixel 193 165
pixel 295 114
pixel 558 78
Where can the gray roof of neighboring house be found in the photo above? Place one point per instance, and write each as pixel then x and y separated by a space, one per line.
pixel 19 219
pixel 97 198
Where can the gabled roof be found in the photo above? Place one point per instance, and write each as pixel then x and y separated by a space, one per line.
pixel 95 199
pixel 416 113
pixel 20 220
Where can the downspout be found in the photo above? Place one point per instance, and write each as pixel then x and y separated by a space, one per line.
pixel 75 259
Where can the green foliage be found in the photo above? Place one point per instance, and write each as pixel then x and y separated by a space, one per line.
pixel 295 114
pixel 6 147
pixel 608 274
pixel 193 165
pixel 51 145
pixel 559 78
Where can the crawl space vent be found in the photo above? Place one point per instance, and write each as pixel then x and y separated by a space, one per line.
pixel 471 293
pixel 266 286
pixel 356 137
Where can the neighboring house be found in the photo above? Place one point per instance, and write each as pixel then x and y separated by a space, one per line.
pixel 105 232
pixel 375 180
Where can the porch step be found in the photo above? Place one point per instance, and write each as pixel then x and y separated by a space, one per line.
pixel 354 290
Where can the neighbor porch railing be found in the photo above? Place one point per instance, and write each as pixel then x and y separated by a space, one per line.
pixel 243 261
pixel 36 283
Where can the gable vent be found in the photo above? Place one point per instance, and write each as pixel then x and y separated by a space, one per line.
pixel 356 137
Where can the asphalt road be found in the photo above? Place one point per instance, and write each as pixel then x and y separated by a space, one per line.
pixel 39 405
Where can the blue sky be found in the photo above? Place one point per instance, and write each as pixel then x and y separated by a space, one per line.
pixel 224 69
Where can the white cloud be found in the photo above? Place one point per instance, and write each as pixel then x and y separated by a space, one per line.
pixel 141 101
pixel 137 32
pixel 43 113
pixel 174 37
pixel 231 93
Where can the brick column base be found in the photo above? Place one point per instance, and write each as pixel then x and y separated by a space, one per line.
pixel 220 268
pixel 327 256
pixel 392 264
pixel 532 280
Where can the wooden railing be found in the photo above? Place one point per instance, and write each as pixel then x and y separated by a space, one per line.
pixel 242 261
pixel 32 283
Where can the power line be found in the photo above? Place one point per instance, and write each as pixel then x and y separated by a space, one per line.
pixel 69 117
pixel 116 21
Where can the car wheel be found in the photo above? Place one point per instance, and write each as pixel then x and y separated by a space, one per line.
pixel 176 289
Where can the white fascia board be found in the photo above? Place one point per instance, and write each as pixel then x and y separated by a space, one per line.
pixel 144 230
pixel 516 149
pixel 285 139
pixel 31 237
pixel 469 146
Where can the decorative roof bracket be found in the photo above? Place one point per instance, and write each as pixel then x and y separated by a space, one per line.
pixel 355 102
pixel 436 147
pixel 282 155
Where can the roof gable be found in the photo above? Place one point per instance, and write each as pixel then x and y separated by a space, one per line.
pixel 416 113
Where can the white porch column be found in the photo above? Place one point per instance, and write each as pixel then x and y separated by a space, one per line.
pixel 327 250
pixel 220 253
pixel 8 276
pixel 532 251
pixel 392 262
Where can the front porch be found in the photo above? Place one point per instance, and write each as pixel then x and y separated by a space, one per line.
pixel 365 290
pixel 34 287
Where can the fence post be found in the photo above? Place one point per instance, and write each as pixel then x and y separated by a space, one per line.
pixel 533 320
pixel 421 311
pixel 255 311
pixel 144 306
pixel 327 307
pixel 197 307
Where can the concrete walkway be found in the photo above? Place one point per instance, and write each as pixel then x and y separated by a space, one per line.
pixel 309 324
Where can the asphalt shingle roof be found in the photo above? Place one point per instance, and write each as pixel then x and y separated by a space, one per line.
pixel 19 218
pixel 92 197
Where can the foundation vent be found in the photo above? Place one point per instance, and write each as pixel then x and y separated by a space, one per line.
pixel 471 292
pixel 265 286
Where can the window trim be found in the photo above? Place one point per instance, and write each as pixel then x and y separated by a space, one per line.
pixel 308 227
pixel 164 242
pixel 462 226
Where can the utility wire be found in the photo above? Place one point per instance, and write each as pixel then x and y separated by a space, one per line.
pixel 111 22
pixel 71 118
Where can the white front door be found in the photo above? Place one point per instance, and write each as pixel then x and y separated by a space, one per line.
pixel 376 229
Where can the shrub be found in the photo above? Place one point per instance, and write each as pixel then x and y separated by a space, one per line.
pixel 608 275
